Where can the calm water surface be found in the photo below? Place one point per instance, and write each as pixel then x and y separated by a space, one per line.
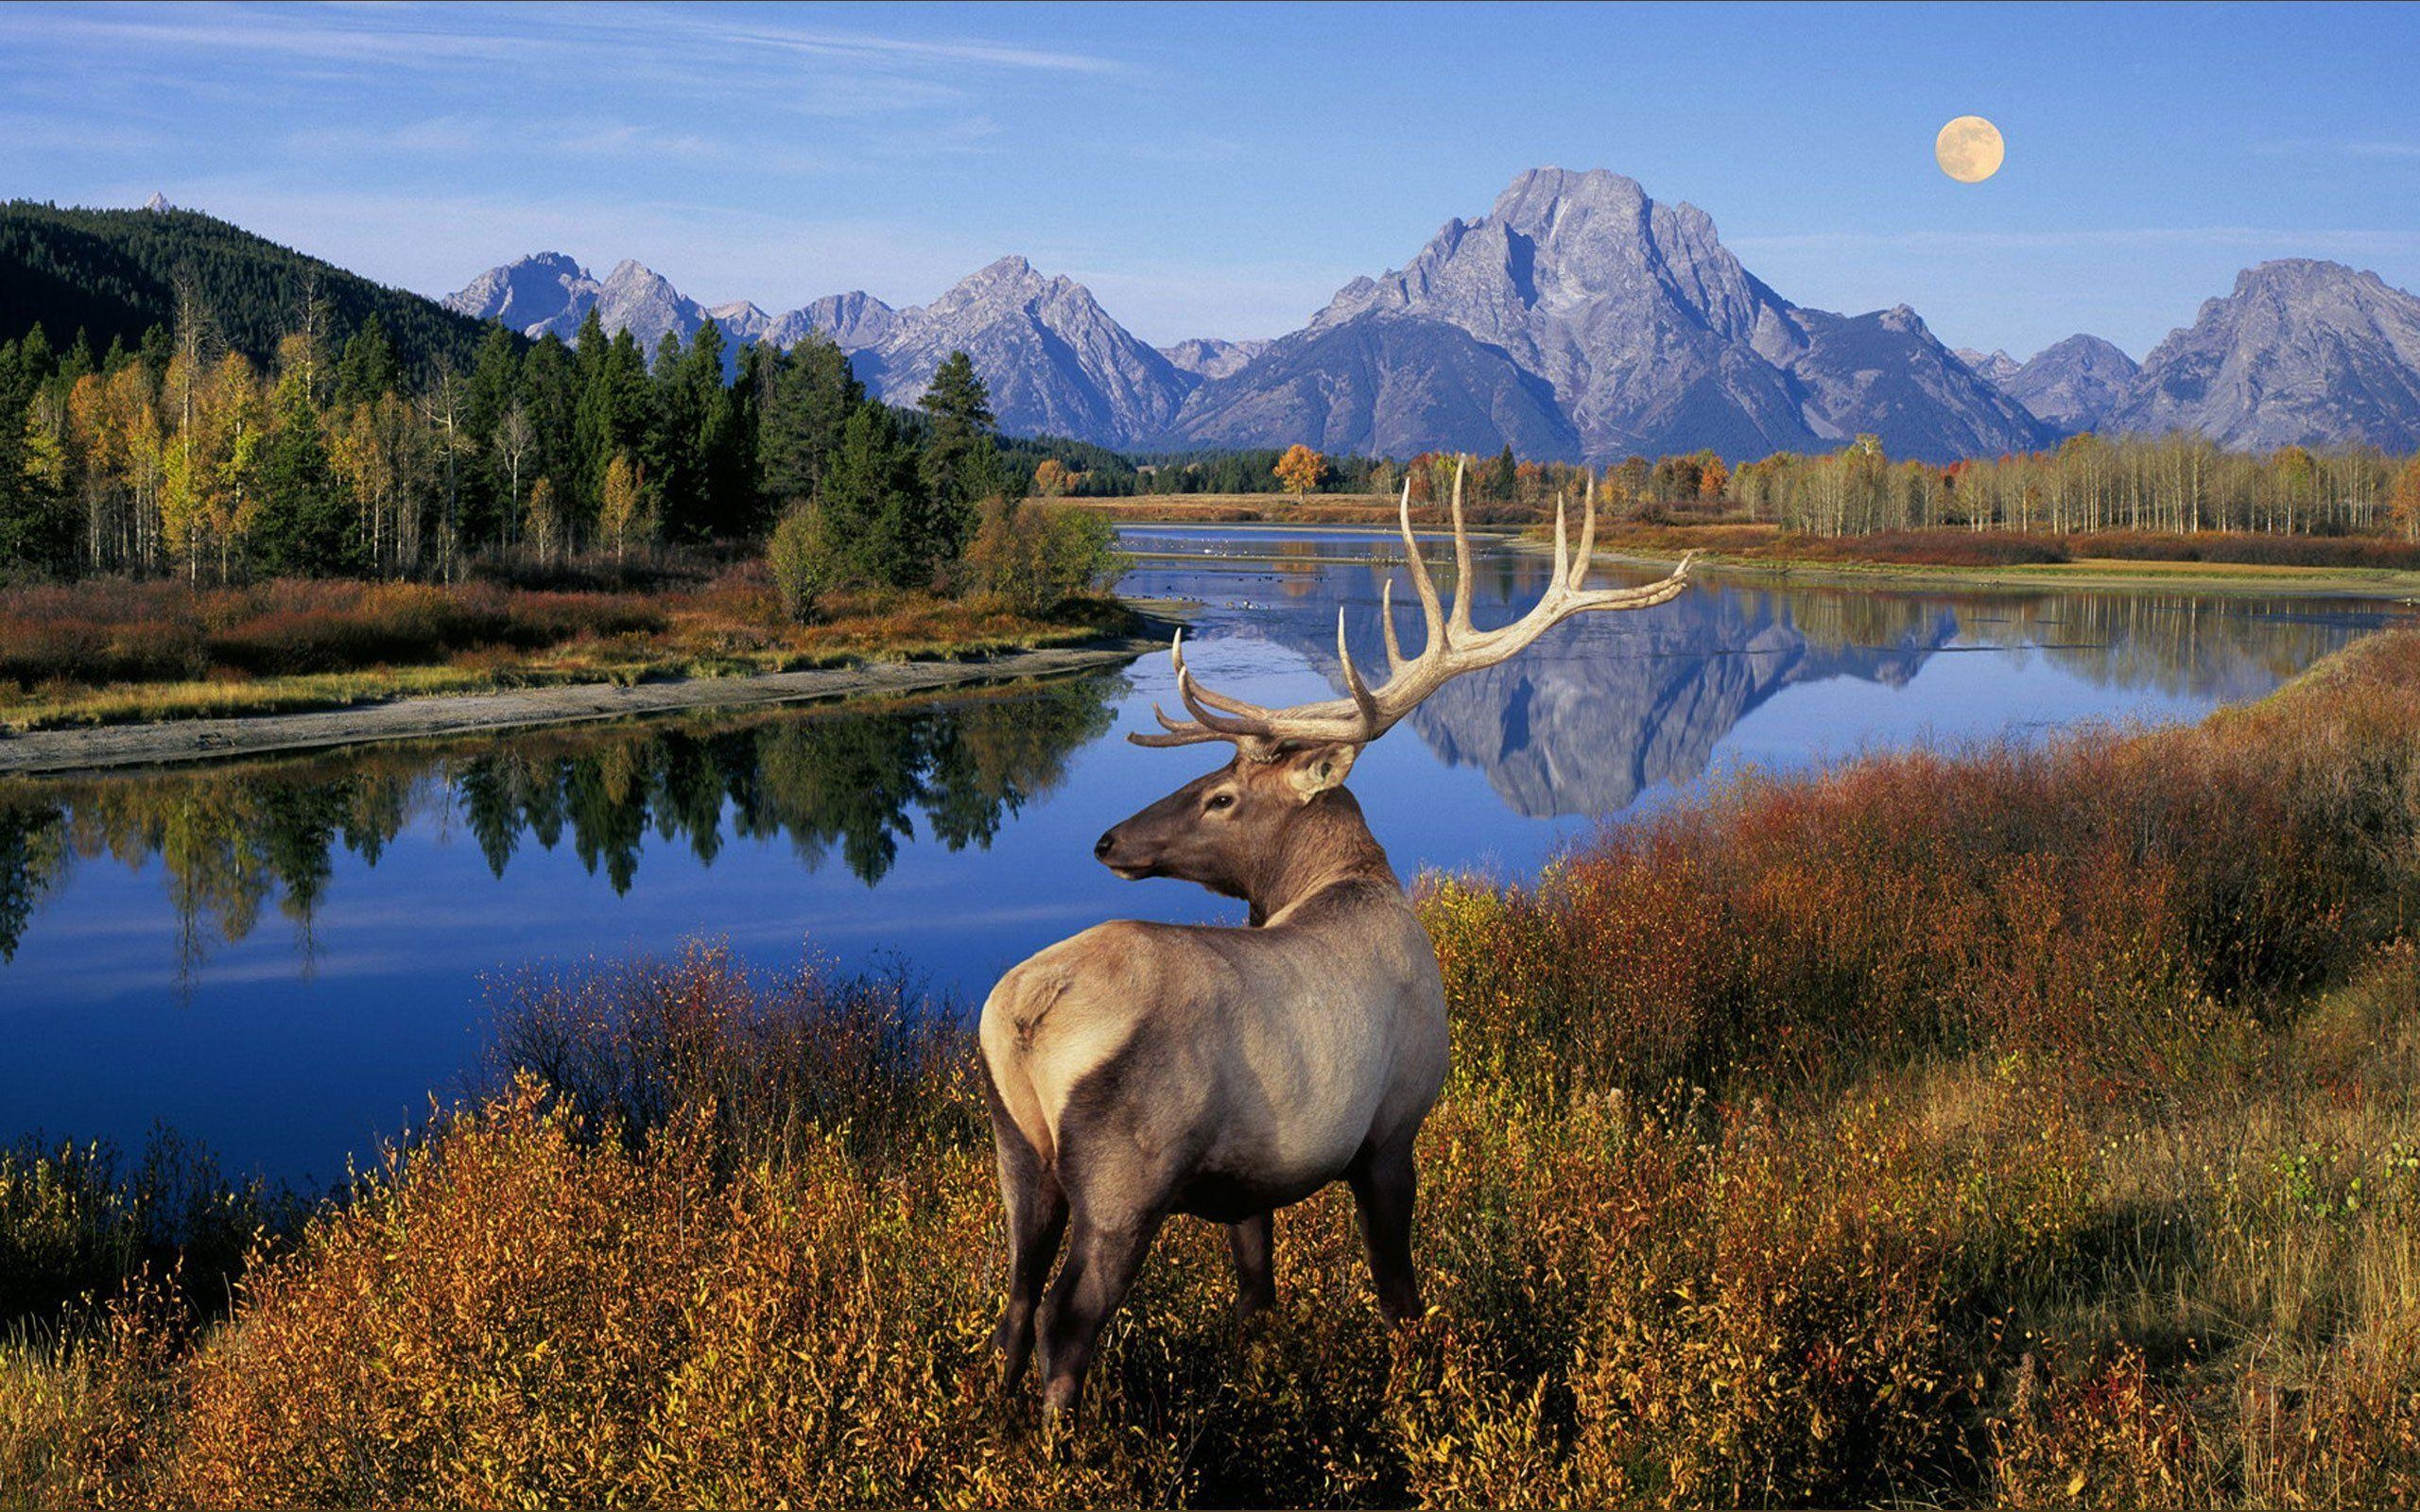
pixel 286 959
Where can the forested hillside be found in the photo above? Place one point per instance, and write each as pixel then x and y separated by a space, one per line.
pixel 186 456
pixel 112 274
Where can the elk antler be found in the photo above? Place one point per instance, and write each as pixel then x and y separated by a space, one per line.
pixel 1452 647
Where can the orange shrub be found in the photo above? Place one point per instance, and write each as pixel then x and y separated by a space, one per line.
pixel 2093 901
pixel 111 631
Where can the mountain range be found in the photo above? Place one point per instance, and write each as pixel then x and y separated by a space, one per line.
pixel 1578 318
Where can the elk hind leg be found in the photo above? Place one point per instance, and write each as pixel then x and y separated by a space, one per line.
pixel 1384 1186
pixel 1104 1255
pixel 1036 1209
pixel 1253 1243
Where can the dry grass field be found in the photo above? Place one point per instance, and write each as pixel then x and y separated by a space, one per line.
pixel 111 651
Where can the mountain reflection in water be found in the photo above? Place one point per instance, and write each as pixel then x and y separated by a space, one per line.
pixel 1606 707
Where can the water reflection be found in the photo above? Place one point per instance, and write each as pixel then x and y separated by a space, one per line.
pixel 854 784
pixel 145 975
pixel 1605 708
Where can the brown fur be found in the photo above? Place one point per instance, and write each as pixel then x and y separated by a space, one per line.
pixel 1142 1070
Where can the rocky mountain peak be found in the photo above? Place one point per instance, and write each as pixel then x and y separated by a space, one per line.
pixel 1996 367
pixel 1211 356
pixel 2074 384
pixel 1650 333
pixel 1536 199
pixel 546 291
pixel 2303 352
pixel 2290 274
pixel 1055 361
pixel 630 273
pixel 741 321
pixel 1009 272
pixel 1579 317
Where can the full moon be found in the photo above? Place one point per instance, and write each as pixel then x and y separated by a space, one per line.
pixel 1969 149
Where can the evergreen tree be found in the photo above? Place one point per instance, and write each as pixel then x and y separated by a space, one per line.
pixel 305 524
pixel 690 439
pixel 872 499
pixel 78 359
pixel 961 466
pixel 36 362
pixel 724 503
pixel 610 417
pixel 487 395
pixel 804 400
pixel 548 392
pixel 159 345
pixel 34 529
pixel 1504 480
pixel 368 370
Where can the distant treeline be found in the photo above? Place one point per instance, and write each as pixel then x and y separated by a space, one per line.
pixel 181 454
pixel 2178 483
pixel 2175 483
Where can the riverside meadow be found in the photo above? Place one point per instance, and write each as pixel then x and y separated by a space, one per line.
pixel 2031 1126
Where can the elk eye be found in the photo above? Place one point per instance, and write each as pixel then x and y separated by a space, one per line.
pixel 1222 800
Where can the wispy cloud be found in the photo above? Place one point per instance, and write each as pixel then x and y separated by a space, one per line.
pixel 2351 242
pixel 2372 150
pixel 445 38
pixel 21 132
pixel 1183 148
pixel 434 242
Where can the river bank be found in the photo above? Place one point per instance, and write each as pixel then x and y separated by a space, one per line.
pixel 103 746
pixel 1774 558
pixel 2108 575
pixel 107 651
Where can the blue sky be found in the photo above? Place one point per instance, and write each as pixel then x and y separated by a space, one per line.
pixel 1220 171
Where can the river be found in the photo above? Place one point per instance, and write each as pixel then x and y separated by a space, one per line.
pixel 284 959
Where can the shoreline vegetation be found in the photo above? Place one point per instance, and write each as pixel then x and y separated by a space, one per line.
pixel 2208 561
pixel 113 652
pixel 859 683
pixel 2033 1126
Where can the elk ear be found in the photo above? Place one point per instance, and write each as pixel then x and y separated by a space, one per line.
pixel 1314 769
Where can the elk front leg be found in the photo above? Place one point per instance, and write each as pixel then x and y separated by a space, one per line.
pixel 1253 1243
pixel 1103 1258
pixel 1383 1190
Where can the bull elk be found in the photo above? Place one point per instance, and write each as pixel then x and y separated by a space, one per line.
pixel 1140 1070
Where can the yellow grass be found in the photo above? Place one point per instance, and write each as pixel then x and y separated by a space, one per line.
pixel 702 638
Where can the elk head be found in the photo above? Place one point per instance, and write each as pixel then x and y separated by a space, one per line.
pixel 1231 829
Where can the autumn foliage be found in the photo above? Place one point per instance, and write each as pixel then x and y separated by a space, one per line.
pixel 2035 1127
pixel 1301 468
pixel 111 650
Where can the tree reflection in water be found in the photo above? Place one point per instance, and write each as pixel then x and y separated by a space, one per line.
pixel 231 838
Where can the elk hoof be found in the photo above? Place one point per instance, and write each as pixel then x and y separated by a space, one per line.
pixel 1059 1401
